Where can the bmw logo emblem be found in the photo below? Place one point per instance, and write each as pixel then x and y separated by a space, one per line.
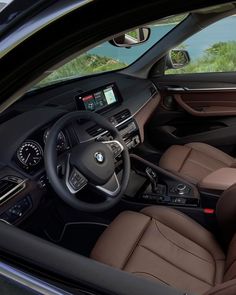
pixel 99 157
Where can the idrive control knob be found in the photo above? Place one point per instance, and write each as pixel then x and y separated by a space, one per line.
pixel 181 188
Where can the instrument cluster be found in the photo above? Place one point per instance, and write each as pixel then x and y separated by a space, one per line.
pixel 29 155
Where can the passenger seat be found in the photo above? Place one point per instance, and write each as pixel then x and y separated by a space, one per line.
pixel 194 161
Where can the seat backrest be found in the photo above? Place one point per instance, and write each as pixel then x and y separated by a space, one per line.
pixel 226 213
pixel 228 286
pixel 230 265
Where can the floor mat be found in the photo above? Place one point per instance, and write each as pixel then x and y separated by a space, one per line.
pixel 81 237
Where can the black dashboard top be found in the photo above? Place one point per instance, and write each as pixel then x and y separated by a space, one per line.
pixel 134 91
pixel 41 108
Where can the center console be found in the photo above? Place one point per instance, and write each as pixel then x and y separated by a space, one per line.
pixel 151 185
pixel 161 187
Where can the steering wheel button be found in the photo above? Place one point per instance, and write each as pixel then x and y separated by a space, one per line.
pixel 76 180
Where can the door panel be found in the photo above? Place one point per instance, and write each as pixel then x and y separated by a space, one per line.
pixel 195 107
pixel 207 104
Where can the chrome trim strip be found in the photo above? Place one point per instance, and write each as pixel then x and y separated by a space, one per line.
pixel 30 281
pixel 186 89
pixel 4 221
pixel 14 190
pixel 211 89
pixel 109 192
pixel 176 89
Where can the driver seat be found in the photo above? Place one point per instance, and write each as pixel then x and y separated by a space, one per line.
pixel 166 246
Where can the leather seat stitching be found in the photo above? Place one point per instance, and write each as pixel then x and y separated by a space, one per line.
pixel 176 213
pixel 233 164
pixel 135 244
pixel 222 289
pixel 157 254
pixel 210 155
pixel 147 273
pixel 188 154
pixel 192 178
pixel 233 277
pixel 214 260
pixel 155 221
pixel 231 264
pixel 190 220
pixel 201 165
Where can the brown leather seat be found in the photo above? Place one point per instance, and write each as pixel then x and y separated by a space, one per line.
pixel 164 245
pixel 194 161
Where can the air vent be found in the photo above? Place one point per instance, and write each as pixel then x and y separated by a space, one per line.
pixel 122 116
pixel 9 188
pixel 95 130
pixel 6 186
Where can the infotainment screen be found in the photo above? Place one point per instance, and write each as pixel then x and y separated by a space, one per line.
pixel 98 99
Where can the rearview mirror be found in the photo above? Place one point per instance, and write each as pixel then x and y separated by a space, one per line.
pixel 132 38
pixel 177 58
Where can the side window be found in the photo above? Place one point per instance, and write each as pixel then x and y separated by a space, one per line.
pixel 211 50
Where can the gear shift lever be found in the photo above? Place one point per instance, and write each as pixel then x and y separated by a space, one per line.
pixel 153 179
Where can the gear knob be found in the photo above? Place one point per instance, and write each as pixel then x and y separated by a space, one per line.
pixel 153 178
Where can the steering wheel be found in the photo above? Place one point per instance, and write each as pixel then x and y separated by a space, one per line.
pixel 90 163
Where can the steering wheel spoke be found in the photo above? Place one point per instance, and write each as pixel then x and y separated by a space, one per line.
pixel 115 146
pixel 74 179
pixel 111 188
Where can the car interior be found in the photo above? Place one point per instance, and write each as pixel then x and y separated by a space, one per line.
pixel 137 173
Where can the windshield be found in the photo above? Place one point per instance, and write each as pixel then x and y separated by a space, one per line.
pixel 107 57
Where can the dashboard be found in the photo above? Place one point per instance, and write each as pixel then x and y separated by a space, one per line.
pixel 125 101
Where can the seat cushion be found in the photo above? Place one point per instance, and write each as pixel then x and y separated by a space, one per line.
pixel 194 161
pixel 164 245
